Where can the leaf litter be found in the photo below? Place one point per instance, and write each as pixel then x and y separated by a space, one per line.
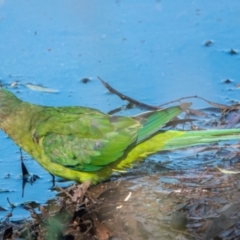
pixel 145 203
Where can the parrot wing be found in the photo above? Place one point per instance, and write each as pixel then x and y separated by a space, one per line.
pixel 81 138
pixel 85 139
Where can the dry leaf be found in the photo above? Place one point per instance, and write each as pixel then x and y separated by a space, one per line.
pixel 40 88
pixel 227 171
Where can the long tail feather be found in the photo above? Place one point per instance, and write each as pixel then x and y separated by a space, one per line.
pixel 170 140
pixel 193 138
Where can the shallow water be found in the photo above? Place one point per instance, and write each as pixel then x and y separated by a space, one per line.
pixel 154 52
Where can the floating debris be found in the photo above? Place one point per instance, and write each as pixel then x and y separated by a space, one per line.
pixel 233 51
pixel 227 81
pixel 14 84
pixel 40 88
pixel 208 43
pixel 85 80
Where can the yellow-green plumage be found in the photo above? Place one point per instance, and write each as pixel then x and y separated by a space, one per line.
pixel 81 144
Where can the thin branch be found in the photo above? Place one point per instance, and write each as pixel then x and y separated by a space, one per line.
pixel 144 105
pixel 124 97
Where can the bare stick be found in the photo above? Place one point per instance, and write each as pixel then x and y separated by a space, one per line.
pixel 124 97
pixel 144 105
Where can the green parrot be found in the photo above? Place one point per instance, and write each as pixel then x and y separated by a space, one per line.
pixel 80 143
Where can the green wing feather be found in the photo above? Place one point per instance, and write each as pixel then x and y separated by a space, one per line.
pixel 154 121
pixel 84 139
pixel 88 140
